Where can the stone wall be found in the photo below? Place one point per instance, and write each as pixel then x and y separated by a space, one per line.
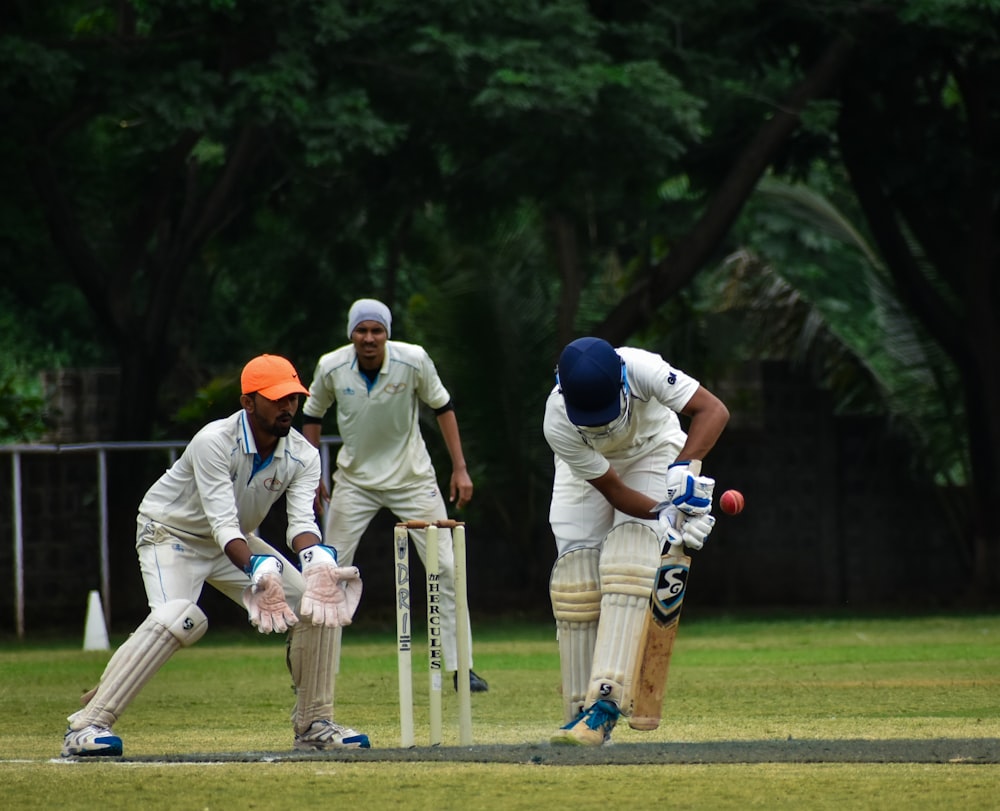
pixel 81 403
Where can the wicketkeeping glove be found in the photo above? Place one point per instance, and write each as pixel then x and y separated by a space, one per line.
pixel 690 494
pixel 676 528
pixel 265 596
pixel 332 592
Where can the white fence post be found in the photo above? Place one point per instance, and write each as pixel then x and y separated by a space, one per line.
pixel 15 461
pixel 102 486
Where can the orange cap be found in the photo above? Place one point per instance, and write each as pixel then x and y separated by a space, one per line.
pixel 272 377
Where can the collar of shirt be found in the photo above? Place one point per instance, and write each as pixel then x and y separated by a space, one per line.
pixel 369 378
pixel 251 446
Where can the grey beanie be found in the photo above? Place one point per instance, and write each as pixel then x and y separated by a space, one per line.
pixel 369 309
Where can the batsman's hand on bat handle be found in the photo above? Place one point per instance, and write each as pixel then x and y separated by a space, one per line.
pixel 696 530
pixel 681 530
pixel 264 598
pixel 332 592
pixel 668 518
pixel 687 490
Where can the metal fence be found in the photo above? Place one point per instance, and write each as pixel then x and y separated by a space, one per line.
pixel 100 450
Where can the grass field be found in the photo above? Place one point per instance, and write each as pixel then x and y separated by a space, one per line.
pixel 753 681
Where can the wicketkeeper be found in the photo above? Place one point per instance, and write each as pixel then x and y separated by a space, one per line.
pixel 196 525
pixel 620 455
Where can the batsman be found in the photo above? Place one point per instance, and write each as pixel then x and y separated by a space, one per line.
pixel 627 492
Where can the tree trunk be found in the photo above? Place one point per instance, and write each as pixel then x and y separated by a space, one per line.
pixel 690 254
pixel 562 237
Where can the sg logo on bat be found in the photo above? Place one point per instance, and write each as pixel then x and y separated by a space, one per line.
pixel 668 595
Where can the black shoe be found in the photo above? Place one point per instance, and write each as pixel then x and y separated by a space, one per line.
pixel 477 684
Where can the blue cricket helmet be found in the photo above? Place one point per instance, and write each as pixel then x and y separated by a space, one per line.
pixel 590 375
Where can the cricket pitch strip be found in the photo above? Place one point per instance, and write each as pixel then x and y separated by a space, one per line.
pixel 938 750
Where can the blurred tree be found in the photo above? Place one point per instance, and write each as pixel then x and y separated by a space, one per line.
pixel 220 178
pixel 153 135
pixel 22 408
pixel 486 307
pixel 901 95
pixel 918 134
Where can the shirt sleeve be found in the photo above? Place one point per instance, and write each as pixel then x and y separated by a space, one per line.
pixel 430 389
pixel 321 392
pixel 567 444
pixel 299 499
pixel 672 387
pixel 210 454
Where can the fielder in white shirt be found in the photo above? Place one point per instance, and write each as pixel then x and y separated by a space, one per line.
pixel 196 525
pixel 376 387
pixel 622 460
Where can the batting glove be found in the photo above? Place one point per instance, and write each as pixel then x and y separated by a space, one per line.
pixel 667 517
pixel 264 598
pixel 677 528
pixel 690 494
pixel 332 592
pixel 695 530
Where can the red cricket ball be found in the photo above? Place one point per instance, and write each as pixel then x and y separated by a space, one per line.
pixel 732 502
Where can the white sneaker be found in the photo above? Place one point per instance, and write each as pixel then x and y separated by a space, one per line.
pixel 91 740
pixel 328 735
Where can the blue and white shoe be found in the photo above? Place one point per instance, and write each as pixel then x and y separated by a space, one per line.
pixel 328 735
pixel 91 741
pixel 592 727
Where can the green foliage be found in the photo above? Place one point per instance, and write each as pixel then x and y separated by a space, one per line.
pixel 368 113
pixel 190 183
pixel 219 397
pixel 959 18
pixel 814 290
pixel 484 312
pixel 31 337
pixel 22 407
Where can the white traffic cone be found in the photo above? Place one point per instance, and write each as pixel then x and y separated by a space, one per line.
pixel 95 634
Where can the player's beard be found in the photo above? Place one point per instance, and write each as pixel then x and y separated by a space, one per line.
pixel 281 426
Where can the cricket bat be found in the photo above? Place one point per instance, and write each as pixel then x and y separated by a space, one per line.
pixel 658 634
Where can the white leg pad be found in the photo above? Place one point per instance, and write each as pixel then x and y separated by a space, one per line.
pixel 311 653
pixel 169 627
pixel 575 589
pixel 629 560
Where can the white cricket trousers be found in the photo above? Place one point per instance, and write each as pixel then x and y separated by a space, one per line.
pixel 581 517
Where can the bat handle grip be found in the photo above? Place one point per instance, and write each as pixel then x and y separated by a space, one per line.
pixel 678 548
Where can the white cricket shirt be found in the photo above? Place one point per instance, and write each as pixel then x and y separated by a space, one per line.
pixel 213 492
pixel 379 422
pixel 658 392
